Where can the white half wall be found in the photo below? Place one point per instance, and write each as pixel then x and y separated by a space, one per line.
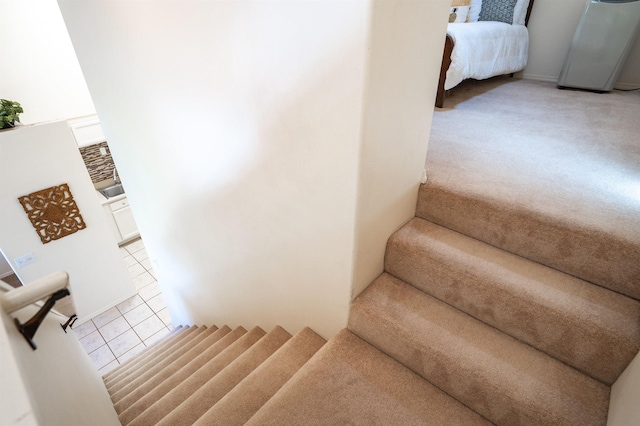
pixel 240 130
pixel 551 28
pixel 56 384
pixel 35 157
pixel 5 267
pixel 39 68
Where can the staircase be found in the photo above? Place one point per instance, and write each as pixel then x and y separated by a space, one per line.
pixel 484 314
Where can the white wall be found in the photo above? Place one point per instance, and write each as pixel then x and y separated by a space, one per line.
pixel 551 28
pixel 35 157
pixel 239 128
pixel 39 68
pixel 54 385
pixel 624 409
pixel 403 68
pixel 5 268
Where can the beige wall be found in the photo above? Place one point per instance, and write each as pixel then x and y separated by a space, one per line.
pixel 253 136
pixel 551 30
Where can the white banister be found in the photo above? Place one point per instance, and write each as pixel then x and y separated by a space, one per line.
pixel 42 288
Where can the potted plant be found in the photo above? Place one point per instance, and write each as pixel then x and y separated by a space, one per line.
pixel 9 112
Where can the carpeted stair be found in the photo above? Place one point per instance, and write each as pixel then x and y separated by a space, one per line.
pixel 456 331
pixel 497 306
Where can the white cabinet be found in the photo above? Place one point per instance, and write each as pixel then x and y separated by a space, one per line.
pixel 121 219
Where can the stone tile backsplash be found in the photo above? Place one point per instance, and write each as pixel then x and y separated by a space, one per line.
pixel 100 166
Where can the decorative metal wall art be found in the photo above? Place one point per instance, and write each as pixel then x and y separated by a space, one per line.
pixel 53 212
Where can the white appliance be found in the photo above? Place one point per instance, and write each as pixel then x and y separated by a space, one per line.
pixel 605 35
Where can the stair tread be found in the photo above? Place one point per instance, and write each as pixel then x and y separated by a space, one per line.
pixel 161 407
pixel 205 349
pixel 496 375
pixel 244 400
pixel 147 355
pixel 209 393
pixel 564 243
pixel 143 397
pixel 155 356
pixel 172 362
pixel 589 327
pixel 144 373
pixel 350 382
pixel 173 334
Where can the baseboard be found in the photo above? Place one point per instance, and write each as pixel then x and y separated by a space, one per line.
pixel 619 85
pixel 539 77
pixel 6 274
pixel 627 86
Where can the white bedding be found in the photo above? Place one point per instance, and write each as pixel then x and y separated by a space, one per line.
pixel 485 49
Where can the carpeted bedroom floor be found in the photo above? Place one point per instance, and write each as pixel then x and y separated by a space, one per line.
pixel 570 156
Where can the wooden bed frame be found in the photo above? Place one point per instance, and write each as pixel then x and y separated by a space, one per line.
pixel 446 61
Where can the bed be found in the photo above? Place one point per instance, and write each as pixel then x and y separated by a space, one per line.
pixel 485 38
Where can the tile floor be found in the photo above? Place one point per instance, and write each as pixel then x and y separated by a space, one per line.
pixel 126 329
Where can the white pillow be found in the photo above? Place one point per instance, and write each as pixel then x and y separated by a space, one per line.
pixel 519 12
pixel 474 11
pixel 461 14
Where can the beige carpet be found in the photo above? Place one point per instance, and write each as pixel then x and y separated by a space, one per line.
pixel 516 163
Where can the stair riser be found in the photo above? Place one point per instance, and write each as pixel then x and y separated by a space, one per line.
pixel 131 363
pixel 506 381
pixel 244 400
pixel 148 371
pixel 590 328
pixel 585 253
pixel 142 398
pixel 198 403
pixel 180 357
pixel 188 386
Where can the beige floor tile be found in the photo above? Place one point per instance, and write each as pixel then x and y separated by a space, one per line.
pixel 84 329
pixel 92 341
pixel 129 261
pixel 106 317
pixel 138 314
pixel 132 352
pixel 165 317
pixel 114 328
pixel 157 336
pixel 109 367
pixel 101 356
pixel 141 255
pixel 124 342
pixel 146 264
pixel 143 280
pixel 130 303
pixel 136 270
pixel 149 327
pixel 149 291
pixel 156 303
